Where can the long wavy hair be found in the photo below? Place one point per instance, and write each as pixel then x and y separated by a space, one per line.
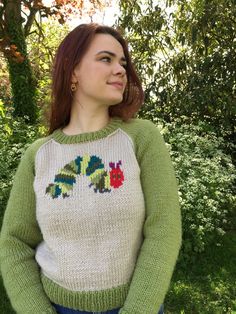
pixel 68 56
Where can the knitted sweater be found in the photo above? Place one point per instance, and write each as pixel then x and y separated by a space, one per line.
pixel 93 222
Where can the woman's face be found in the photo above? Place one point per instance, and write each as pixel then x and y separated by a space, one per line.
pixel 101 75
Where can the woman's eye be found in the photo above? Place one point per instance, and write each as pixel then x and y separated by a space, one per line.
pixel 106 59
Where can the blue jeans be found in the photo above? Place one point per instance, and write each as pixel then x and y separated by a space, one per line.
pixel 63 310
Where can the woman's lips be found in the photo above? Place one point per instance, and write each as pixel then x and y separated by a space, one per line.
pixel 118 85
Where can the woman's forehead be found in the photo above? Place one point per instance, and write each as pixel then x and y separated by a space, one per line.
pixel 105 42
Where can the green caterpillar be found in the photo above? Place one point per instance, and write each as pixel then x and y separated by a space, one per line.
pixel 92 166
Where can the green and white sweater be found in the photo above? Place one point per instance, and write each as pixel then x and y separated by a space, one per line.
pixel 93 222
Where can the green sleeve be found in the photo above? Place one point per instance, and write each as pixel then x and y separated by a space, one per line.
pixel 162 227
pixel 20 235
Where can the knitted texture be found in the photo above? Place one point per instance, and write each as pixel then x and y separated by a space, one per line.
pixel 91 213
pixel 93 222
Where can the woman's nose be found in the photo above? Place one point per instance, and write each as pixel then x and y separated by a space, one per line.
pixel 119 69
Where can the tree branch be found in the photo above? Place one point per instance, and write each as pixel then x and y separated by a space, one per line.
pixel 30 21
pixel 1 21
pixel 27 3
pixel 43 36
pixel 39 29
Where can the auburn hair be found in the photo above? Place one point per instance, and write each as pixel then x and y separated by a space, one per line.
pixel 69 54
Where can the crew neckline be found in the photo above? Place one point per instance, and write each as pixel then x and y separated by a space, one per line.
pixel 114 123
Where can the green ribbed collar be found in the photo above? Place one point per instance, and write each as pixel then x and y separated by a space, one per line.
pixel 59 136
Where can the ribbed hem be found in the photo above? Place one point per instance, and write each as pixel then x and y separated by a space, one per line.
pixel 91 301
pixel 59 136
pixel 50 311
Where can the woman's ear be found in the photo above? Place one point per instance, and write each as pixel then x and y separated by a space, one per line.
pixel 75 75
pixel 74 78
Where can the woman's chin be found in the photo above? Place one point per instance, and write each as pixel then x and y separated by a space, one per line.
pixel 115 101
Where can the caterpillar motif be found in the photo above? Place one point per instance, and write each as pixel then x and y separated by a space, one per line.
pixel 91 166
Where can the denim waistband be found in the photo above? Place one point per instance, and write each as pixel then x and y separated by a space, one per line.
pixel 64 310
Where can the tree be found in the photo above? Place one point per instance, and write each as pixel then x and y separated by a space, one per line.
pixel 14 48
pixel 16 20
pixel 206 64
pixel 187 58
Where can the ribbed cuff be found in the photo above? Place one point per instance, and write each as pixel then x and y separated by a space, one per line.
pixel 51 310
pixel 121 311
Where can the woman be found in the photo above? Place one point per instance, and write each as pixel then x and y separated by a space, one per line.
pixel 93 221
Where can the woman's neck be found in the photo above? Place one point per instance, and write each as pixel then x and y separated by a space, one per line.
pixel 85 121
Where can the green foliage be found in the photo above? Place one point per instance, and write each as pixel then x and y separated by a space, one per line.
pixel 205 29
pixel 145 37
pixel 206 178
pixel 16 135
pixel 186 58
pixel 204 68
pixel 42 44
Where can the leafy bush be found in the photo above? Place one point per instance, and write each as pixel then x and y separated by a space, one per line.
pixel 206 178
pixel 16 135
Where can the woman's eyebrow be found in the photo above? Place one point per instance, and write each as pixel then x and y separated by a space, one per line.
pixel 112 54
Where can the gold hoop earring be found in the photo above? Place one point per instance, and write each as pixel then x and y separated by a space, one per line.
pixel 73 87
